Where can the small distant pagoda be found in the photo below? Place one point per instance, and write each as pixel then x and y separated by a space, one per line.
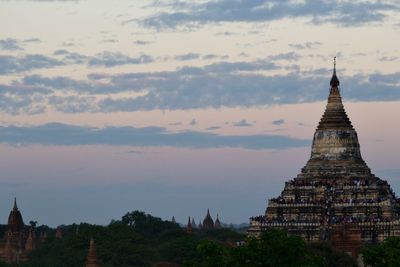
pixel 208 222
pixel 217 224
pixel 189 227
pixel 335 197
pixel 18 240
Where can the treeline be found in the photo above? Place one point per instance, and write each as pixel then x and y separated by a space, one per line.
pixel 139 239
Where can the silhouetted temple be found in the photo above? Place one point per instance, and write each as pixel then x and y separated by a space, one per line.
pixel 208 222
pixel 217 224
pixel 19 240
pixel 189 227
pixel 335 197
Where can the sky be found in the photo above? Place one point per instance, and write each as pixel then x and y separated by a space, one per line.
pixel 173 107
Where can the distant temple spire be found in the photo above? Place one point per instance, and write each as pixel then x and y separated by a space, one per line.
pixel 30 242
pixel 217 224
pixel 15 221
pixel 334 81
pixel 193 223
pixel 15 204
pixel 208 222
pixel 189 228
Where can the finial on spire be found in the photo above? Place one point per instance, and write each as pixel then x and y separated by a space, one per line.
pixel 15 204
pixel 334 81
pixel 334 64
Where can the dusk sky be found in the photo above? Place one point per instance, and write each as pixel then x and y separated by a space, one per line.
pixel 173 107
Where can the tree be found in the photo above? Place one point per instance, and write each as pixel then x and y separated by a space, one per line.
pixel 385 254
pixel 213 254
pixel 146 224
pixel 272 249
pixel 33 223
pixel 275 248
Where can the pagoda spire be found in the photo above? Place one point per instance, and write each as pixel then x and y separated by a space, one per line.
pixel 208 222
pixel 335 139
pixel 334 80
pixel 189 228
pixel 217 223
pixel 30 242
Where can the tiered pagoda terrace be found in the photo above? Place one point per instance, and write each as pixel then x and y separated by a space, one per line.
pixel 335 197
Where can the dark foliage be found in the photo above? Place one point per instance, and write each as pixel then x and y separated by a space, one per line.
pixel 139 239
pixel 385 254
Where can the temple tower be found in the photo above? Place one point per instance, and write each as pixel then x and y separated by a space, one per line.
pixel 189 228
pixel 13 250
pixel 208 223
pixel 335 197
pixel 193 223
pixel 30 242
pixel 217 224
pixel 15 227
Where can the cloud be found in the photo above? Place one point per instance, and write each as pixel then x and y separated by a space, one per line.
pixel 303 124
pixel 226 33
pixel 386 58
pixel 68 44
pixel 104 59
pixel 10 44
pixel 285 56
pixel 306 45
pixel 142 42
pixel 342 13
pixel 188 56
pixel 110 41
pixel 210 56
pixel 112 59
pixel 72 104
pixel 71 57
pixel 242 123
pixel 69 135
pixel 221 84
pixel 278 122
pixel 212 128
pixel 61 52
pixel 193 122
pixel 175 123
pixel 32 40
pixel 15 100
pixel 135 152
pixel 15 64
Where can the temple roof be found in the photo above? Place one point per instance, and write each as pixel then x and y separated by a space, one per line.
pixel 335 148
pixel 334 81
pixel 189 227
pixel 335 116
pixel 217 223
pixel 15 221
pixel 208 222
